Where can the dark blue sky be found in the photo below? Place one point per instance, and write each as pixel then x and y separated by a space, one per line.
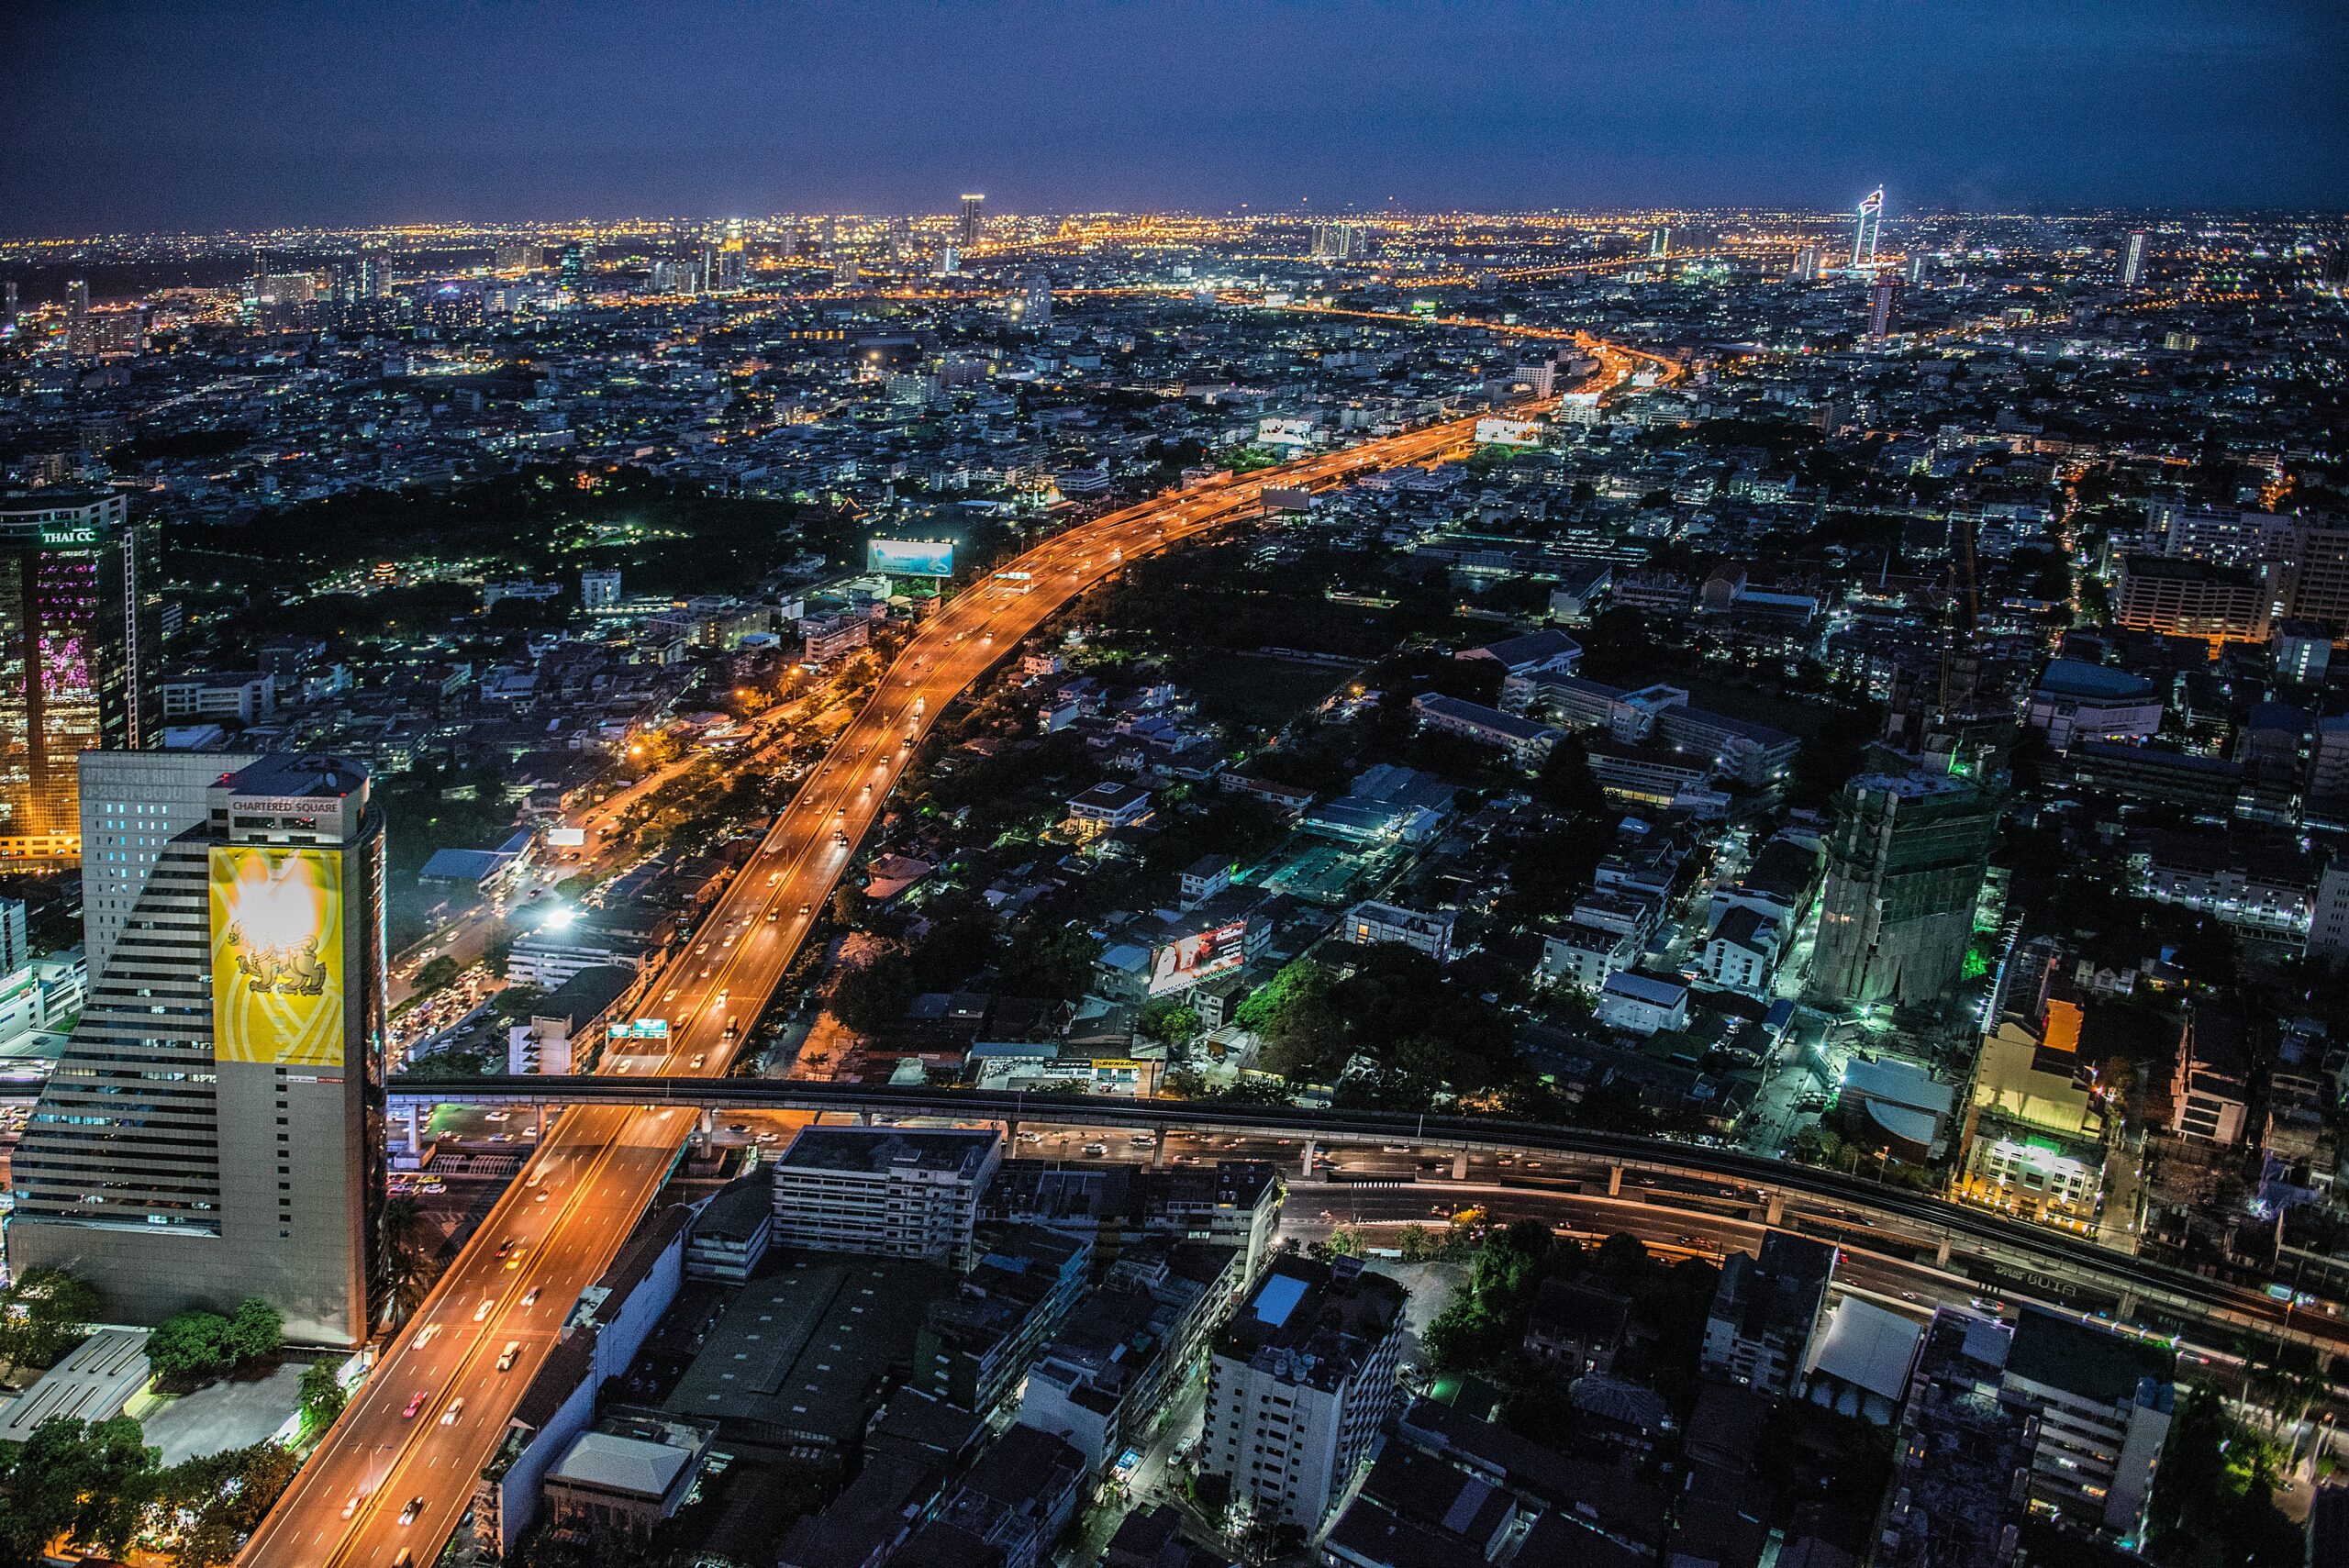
pixel 204 115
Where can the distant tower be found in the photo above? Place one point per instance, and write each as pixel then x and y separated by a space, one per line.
pixel 1807 264
pixel 77 297
pixel 1036 299
pixel 1659 242
pixel 1883 309
pixel 2132 261
pixel 1864 238
pixel 8 306
pixel 973 214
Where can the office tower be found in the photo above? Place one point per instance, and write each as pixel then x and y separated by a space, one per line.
pixel 9 306
pixel 573 272
pixel 77 297
pixel 1920 266
pixel 213 1129
pixel 1905 860
pixel 1035 305
pixel 1302 1377
pixel 1807 264
pixel 2132 260
pixel 375 278
pixel 79 650
pixel 974 209
pixel 1659 242
pixel 898 1192
pixel 600 591
pixel 1871 221
pixel 948 261
pixel 1881 309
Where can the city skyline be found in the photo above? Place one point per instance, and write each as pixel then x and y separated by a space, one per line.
pixel 253 117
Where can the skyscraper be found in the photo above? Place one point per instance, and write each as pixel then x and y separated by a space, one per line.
pixel 1336 241
pixel 1035 303
pixel 974 209
pixel 1659 242
pixel 215 1128
pixel 2132 260
pixel 79 645
pixel 1864 238
pixel 573 269
pixel 1905 860
pixel 77 297
pixel 1883 309
pixel 1807 264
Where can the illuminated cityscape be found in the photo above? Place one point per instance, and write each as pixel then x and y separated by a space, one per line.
pixel 1343 832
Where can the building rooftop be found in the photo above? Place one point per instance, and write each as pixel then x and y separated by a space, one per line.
pixel 2091 1364
pixel 874 1151
pixel 615 1463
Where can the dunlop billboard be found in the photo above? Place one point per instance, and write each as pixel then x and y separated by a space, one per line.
pixel 277 939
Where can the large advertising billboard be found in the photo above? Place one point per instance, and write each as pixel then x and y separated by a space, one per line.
pixel 910 556
pixel 1183 963
pixel 277 967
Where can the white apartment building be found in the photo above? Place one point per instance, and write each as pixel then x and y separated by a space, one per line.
pixel 1299 1384
pixel 1370 922
pixel 892 1191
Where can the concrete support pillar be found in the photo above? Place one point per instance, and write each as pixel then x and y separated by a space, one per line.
pixel 707 1120
pixel 1011 1135
pixel 2127 1309
pixel 1941 1255
pixel 1774 1212
pixel 1306 1168
pixel 542 1120
pixel 1460 1164
pixel 415 1129
pixel 1157 1148
pixel 1615 1181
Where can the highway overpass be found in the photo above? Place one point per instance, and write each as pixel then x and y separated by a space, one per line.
pixel 2022 1259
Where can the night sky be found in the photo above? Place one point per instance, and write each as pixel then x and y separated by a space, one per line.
pixel 223 114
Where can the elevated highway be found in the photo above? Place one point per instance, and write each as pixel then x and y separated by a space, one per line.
pixel 2021 1259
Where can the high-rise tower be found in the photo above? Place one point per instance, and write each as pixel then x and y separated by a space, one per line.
pixel 1864 238
pixel 1884 306
pixel 215 1128
pixel 79 602
pixel 2132 260
pixel 1905 861
pixel 973 214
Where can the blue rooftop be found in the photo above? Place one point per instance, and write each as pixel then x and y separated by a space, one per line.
pixel 1278 1298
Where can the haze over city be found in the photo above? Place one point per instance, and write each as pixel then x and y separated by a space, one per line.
pixel 1171 786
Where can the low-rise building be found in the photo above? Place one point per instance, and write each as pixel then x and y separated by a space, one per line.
pixel 892 1192
pixel 1765 1310
pixel 1371 922
pixel 1641 1003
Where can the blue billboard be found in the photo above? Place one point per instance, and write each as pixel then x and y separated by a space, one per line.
pixel 910 556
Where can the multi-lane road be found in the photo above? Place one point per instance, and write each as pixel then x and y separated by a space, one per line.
pixel 395 1472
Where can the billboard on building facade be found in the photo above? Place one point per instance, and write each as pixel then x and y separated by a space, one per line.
pixel 1183 963
pixel 910 556
pixel 277 940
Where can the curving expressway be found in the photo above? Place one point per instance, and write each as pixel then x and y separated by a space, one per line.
pixel 397 1471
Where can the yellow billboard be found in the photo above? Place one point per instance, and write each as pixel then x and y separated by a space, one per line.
pixel 277 993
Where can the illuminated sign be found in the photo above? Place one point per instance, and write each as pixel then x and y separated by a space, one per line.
pixel 566 837
pixel 910 556
pixel 66 536
pixel 1180 964
pixel 642 1028
pixel 277 980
